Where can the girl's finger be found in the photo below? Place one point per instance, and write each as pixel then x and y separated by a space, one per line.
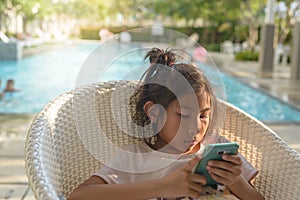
pixel 228 166
pixel 220 172
pixel 197 178
pixel 194 194
pixel 190 165
pixel 233 159
pixel 218 179
pixel 196 187
pixel 223 165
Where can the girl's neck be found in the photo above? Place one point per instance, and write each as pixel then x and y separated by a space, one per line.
pixel 163 147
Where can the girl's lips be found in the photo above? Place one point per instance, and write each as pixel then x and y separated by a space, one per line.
pixel 194 141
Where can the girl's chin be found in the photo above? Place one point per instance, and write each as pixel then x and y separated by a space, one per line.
pixel 187 149
pixel 193 148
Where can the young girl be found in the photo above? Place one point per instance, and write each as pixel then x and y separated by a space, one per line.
pixel 176 99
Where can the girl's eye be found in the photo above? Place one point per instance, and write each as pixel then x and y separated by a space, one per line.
pixel 183 116
pixel 204 116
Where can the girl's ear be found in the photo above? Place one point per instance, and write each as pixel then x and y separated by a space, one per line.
pixel 152 111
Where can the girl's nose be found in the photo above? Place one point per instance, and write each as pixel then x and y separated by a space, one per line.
pixel 196 127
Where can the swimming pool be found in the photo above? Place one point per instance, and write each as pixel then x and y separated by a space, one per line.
pixel 44 76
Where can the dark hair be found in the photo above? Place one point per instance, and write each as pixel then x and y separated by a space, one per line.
pixel 163 68
pixel 160 56
pixel 10 81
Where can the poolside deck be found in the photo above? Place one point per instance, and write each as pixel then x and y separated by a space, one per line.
pixel 280 86
pixel 13 128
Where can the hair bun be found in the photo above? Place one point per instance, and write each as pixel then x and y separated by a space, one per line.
pixel 160 56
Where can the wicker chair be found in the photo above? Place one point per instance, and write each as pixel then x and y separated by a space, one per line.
pixel 57 160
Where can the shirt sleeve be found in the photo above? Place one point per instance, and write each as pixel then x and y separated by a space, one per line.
pixel 119 168
pixel 109 171
pixel 109 175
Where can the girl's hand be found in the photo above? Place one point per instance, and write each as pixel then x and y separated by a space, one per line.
pixel 226 172
pixel 182 182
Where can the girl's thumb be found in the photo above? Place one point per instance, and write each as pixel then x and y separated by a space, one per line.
pixel 191 164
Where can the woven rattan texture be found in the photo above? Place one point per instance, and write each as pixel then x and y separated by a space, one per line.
pixel 57 159
pixel 278 164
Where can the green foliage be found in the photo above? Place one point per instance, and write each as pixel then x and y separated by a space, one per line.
pixel 214 20
pixel 205 35
pixel 9 34
pixel 213 12
pixel 247 55
pixel 118 29
pixel 90 33
pixel 212 47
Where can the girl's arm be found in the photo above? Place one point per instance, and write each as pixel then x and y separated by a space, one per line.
pixel 96 188
pixel 180 183
pixel 228 172
pixel 243 190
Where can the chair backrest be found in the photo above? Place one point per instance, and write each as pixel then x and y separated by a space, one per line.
pixel 69 139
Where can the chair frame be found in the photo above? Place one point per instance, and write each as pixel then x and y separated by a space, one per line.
pixel 57 161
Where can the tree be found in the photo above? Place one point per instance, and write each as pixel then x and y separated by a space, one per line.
pixel 217 16
pixel 29 10
pixel 251 13
pixel 3 8
pixel 187 10
pixel 285 17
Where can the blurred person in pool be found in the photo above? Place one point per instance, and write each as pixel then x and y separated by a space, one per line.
pixel 9 88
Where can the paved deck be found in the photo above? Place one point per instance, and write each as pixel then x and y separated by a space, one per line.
pixel 13 181
pixel 13 128
pixel 279 86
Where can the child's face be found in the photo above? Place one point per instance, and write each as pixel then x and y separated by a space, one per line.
pixel 10 85
pixel 188 121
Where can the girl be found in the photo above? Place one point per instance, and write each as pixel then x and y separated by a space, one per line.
pixel 176 99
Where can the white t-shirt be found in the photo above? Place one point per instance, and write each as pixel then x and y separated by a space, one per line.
pixel 138 162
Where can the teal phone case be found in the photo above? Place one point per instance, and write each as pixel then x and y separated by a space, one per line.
pixel 214 152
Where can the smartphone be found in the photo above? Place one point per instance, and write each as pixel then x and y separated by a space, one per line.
pixel 214 152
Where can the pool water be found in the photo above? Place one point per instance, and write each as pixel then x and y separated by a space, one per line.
pixel 40 78
pixel 257 103
pixel 44 76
